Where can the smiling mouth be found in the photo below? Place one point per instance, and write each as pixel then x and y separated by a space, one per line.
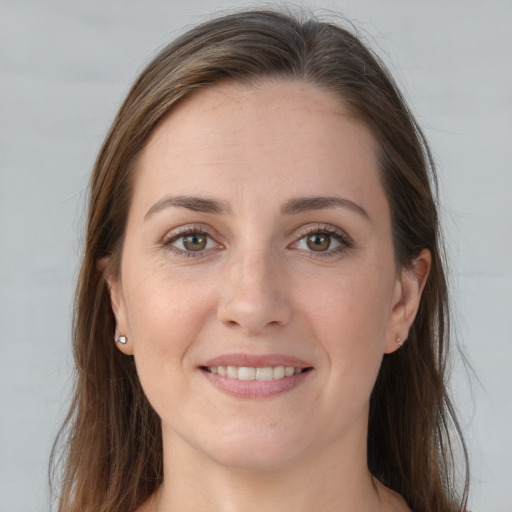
pixel 247 373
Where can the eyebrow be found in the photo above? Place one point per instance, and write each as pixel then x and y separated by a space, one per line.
pixel 293 206
pixel 306 204
pixel 196 204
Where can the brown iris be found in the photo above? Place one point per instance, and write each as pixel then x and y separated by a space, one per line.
pixel 318 242
pixel 195 242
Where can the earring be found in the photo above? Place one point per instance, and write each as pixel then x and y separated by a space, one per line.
pixel 400 341
pixel 121 339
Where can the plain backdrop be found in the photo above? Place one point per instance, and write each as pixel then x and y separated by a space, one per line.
pixel 65 66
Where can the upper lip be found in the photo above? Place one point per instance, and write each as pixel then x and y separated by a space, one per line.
pixel 256 361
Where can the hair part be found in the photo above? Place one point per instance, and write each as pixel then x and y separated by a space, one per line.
pixel 113 457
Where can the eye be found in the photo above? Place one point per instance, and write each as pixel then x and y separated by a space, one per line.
pixel 196 242
pixel 320 242
pixel 317 242
pixel 324 241
pixel 190 241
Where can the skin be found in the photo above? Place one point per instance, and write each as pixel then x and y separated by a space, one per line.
pixel 258 288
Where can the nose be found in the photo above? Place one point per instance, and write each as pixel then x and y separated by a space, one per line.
pixel 253 297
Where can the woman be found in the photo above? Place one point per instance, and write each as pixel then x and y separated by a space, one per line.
pixel 261 319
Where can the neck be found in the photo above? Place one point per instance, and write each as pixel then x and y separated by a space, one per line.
pixel 334 480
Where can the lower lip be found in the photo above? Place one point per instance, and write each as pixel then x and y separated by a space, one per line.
pixel 255 388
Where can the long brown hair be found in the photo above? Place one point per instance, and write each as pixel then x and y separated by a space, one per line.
pixel 112 460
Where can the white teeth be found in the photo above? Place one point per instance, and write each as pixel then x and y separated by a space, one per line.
pixel 278 372
pixel 245 373
pixel 251 373
pixel 232 372
pixel 266 373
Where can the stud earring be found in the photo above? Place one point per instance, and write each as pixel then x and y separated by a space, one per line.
pixel 400 341
pixel 121 339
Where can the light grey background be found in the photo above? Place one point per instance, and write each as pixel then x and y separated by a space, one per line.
pixel 64 69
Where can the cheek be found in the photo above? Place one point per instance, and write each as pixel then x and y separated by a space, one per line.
pixel 351 320
pixel 161 305
pixel 165 316
pixel 354 306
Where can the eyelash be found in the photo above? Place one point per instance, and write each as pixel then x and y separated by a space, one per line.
pixel 183 232
pixel 342 238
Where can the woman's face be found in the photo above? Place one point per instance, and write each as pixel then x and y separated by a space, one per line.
pixel 259 240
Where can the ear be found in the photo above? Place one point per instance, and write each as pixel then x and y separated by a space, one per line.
pixel 118 305
pixel 406 300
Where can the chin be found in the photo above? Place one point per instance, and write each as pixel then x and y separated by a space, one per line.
pixel 256 460
pixel 257 450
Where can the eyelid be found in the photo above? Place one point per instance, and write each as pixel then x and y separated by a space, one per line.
pixel 345 241
pixel 189 229
pixel 322 227
pixel 341 236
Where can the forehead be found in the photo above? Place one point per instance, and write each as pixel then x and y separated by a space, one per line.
pixel 282 136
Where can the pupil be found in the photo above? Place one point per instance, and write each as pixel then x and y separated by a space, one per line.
pixel 319 242
pixel 194 242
